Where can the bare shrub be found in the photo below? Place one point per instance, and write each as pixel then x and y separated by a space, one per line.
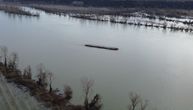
pixel 68 92
pixel 143 105
pixel 95 103
pixel 136 102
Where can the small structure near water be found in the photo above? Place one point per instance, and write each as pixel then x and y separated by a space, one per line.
pixel 101 47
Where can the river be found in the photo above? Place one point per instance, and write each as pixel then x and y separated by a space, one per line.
pixel 155 63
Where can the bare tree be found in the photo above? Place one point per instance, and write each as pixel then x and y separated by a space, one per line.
pixel 95 103
pixel 50 79
pixel 143 105
pixel 68 93
pixel 13 60
pixel 136 102
pixel 1 59
pixel 165 25
pixel 40 68
pixel 42 76
pixel 4 54
pixel 27 72
pixel 87 87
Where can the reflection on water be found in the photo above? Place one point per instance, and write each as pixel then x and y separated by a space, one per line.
pixel 155 63
pixel 19 17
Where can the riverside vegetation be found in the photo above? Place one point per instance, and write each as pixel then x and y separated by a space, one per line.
pixel 41 87
pixel 174 20
pixel 15 9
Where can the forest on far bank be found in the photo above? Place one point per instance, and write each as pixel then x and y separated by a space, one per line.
pixel 173 4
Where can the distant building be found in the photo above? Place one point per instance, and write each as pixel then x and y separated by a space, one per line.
pixel 78 3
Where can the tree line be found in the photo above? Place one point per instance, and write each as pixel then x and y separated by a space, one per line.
pixel 179 4
pixel 44 79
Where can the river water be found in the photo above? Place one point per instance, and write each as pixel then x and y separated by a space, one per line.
pixel 154 63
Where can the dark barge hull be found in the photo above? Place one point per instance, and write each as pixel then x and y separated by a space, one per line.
pixel 101 47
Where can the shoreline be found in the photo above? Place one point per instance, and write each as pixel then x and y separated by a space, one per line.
pixel 18 96
pixel 41 88
pixel 174 20
pixel 40 93
pixel 163 18
pixel 16 9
